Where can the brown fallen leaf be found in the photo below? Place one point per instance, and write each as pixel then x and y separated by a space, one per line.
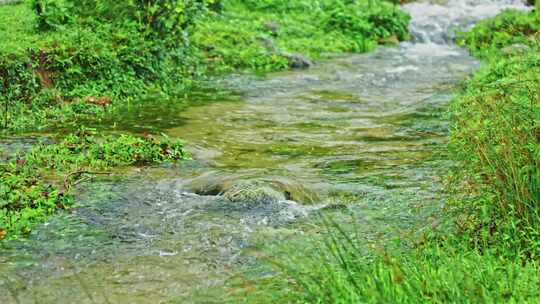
pixel 20 161
pixel 3 234
pixel 100 101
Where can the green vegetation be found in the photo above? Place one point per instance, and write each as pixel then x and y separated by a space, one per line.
pixel 496 139
pixel 509 33
pixel 266 35
pixel 63 60
pixel 37 183
pixel 487 245
pixel 340 271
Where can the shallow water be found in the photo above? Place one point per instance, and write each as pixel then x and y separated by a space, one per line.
pixel 362 136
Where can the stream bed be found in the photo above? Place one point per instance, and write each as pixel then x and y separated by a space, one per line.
pixel 360 136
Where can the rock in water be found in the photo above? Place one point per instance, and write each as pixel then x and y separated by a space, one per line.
pixel 390 40
pixel 253 192
pixel 297 61
pixel 272 27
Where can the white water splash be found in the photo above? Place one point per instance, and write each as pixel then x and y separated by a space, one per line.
pixel 436 23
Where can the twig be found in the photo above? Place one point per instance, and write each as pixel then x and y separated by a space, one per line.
pixel 68 185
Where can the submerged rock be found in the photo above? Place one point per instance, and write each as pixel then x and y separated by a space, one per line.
pixel 247 188
pixel 255 192
pixel 390 40
pixel 297 61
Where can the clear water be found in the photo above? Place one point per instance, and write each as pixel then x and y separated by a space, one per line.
pixel 361 135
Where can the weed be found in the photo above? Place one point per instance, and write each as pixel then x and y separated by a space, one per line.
pixel 37 183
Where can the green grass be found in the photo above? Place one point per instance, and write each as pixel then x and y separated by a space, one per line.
pixel 17 29
pixel 496 139
pixel 490 38
pixel 253 35
pixel 339 271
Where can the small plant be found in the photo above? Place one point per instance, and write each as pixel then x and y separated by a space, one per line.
pixel 507 29
pixel 36 184
pixel 87 149
pixel 25 199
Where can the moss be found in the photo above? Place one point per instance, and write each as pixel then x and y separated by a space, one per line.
pixel 253 192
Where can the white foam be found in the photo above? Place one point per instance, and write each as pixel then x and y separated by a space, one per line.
pixel 435 23
pixel 403 69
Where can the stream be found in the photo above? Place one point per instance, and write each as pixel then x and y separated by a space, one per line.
pixel 362 137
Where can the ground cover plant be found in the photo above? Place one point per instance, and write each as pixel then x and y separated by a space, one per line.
pixel 65 58
pixel 270 35
pixel 37 183
pixel 510 33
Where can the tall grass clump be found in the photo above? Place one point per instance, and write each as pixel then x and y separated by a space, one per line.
pixel 496 139
pixel 341 268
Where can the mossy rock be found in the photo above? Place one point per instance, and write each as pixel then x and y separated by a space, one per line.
pixel 256 192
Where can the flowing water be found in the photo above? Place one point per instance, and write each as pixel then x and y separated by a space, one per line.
pixel 361 136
